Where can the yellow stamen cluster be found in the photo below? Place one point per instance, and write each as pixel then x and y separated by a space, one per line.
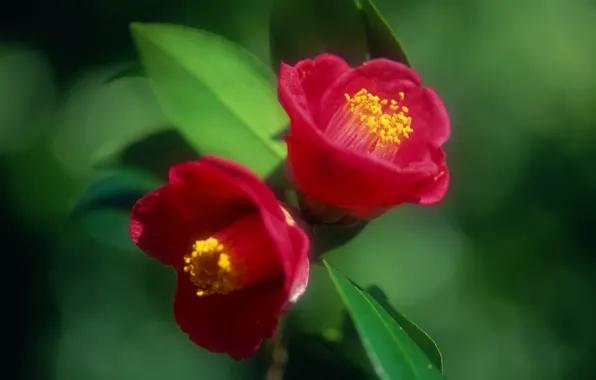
pixel 384 119
pixel 210 268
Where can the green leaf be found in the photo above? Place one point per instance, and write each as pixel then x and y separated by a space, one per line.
pixel 301 29
pixel 99 120
pixel 107 226
pixel 329 236
pixel 347 344
pixel 422 339
pixel 134 70
pixel 103 211
pixel 419 336
pixel 157 153
pixel 393 353
pixel 314 356
pixel 382 42
pixel 118 189
pixel 222 99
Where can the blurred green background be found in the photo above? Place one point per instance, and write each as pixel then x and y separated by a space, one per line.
pixel 502 274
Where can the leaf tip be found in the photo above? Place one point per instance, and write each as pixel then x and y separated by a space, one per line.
pixel 136 27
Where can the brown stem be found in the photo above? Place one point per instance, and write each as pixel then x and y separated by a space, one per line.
pixel 279 354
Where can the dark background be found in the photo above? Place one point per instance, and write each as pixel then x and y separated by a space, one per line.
pixel 501 274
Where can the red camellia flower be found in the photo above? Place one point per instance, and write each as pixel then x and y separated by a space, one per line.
pixel 363 139
pixel 240 258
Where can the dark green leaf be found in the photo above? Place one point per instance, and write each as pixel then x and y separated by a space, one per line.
pixel 134 70
pixel 350 347
pixel 330 237
pixel 222 99
pixel 157 153
pixel 393 353
pixel 116 189
pixel 103 211
pixel 108 226
pixel 301 29
pixel 313 356
pixel 422 339
pixel 382 42
pixel 98 120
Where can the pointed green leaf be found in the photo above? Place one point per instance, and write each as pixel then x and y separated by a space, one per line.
pixel 393 353
pixel 222 99
pixel 302 29
pixel 346 341
pixel 422 339
pixel 382 42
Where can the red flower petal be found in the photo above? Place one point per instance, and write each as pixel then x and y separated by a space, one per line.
pixel 322 172
pixel 233 177
pixel 235 323
pixel 326 168
pixel 438 119
pixel 301 246
pixel 381 77
pixel 248 182
pixel 201 199
pixel 317 76
pixel 293 99
pixel 165 222
pixel 254 250
pixel 264 253
pixel 435 188
pixel 352 181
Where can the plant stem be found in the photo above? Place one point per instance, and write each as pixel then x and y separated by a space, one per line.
pixel 279 354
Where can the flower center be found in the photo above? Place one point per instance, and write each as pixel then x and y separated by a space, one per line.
pixel 387 121
pixel 367 122
pixel 210 268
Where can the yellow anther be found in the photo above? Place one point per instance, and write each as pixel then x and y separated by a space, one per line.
pixel 210 268
pixel 224 261
pixel 384 119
